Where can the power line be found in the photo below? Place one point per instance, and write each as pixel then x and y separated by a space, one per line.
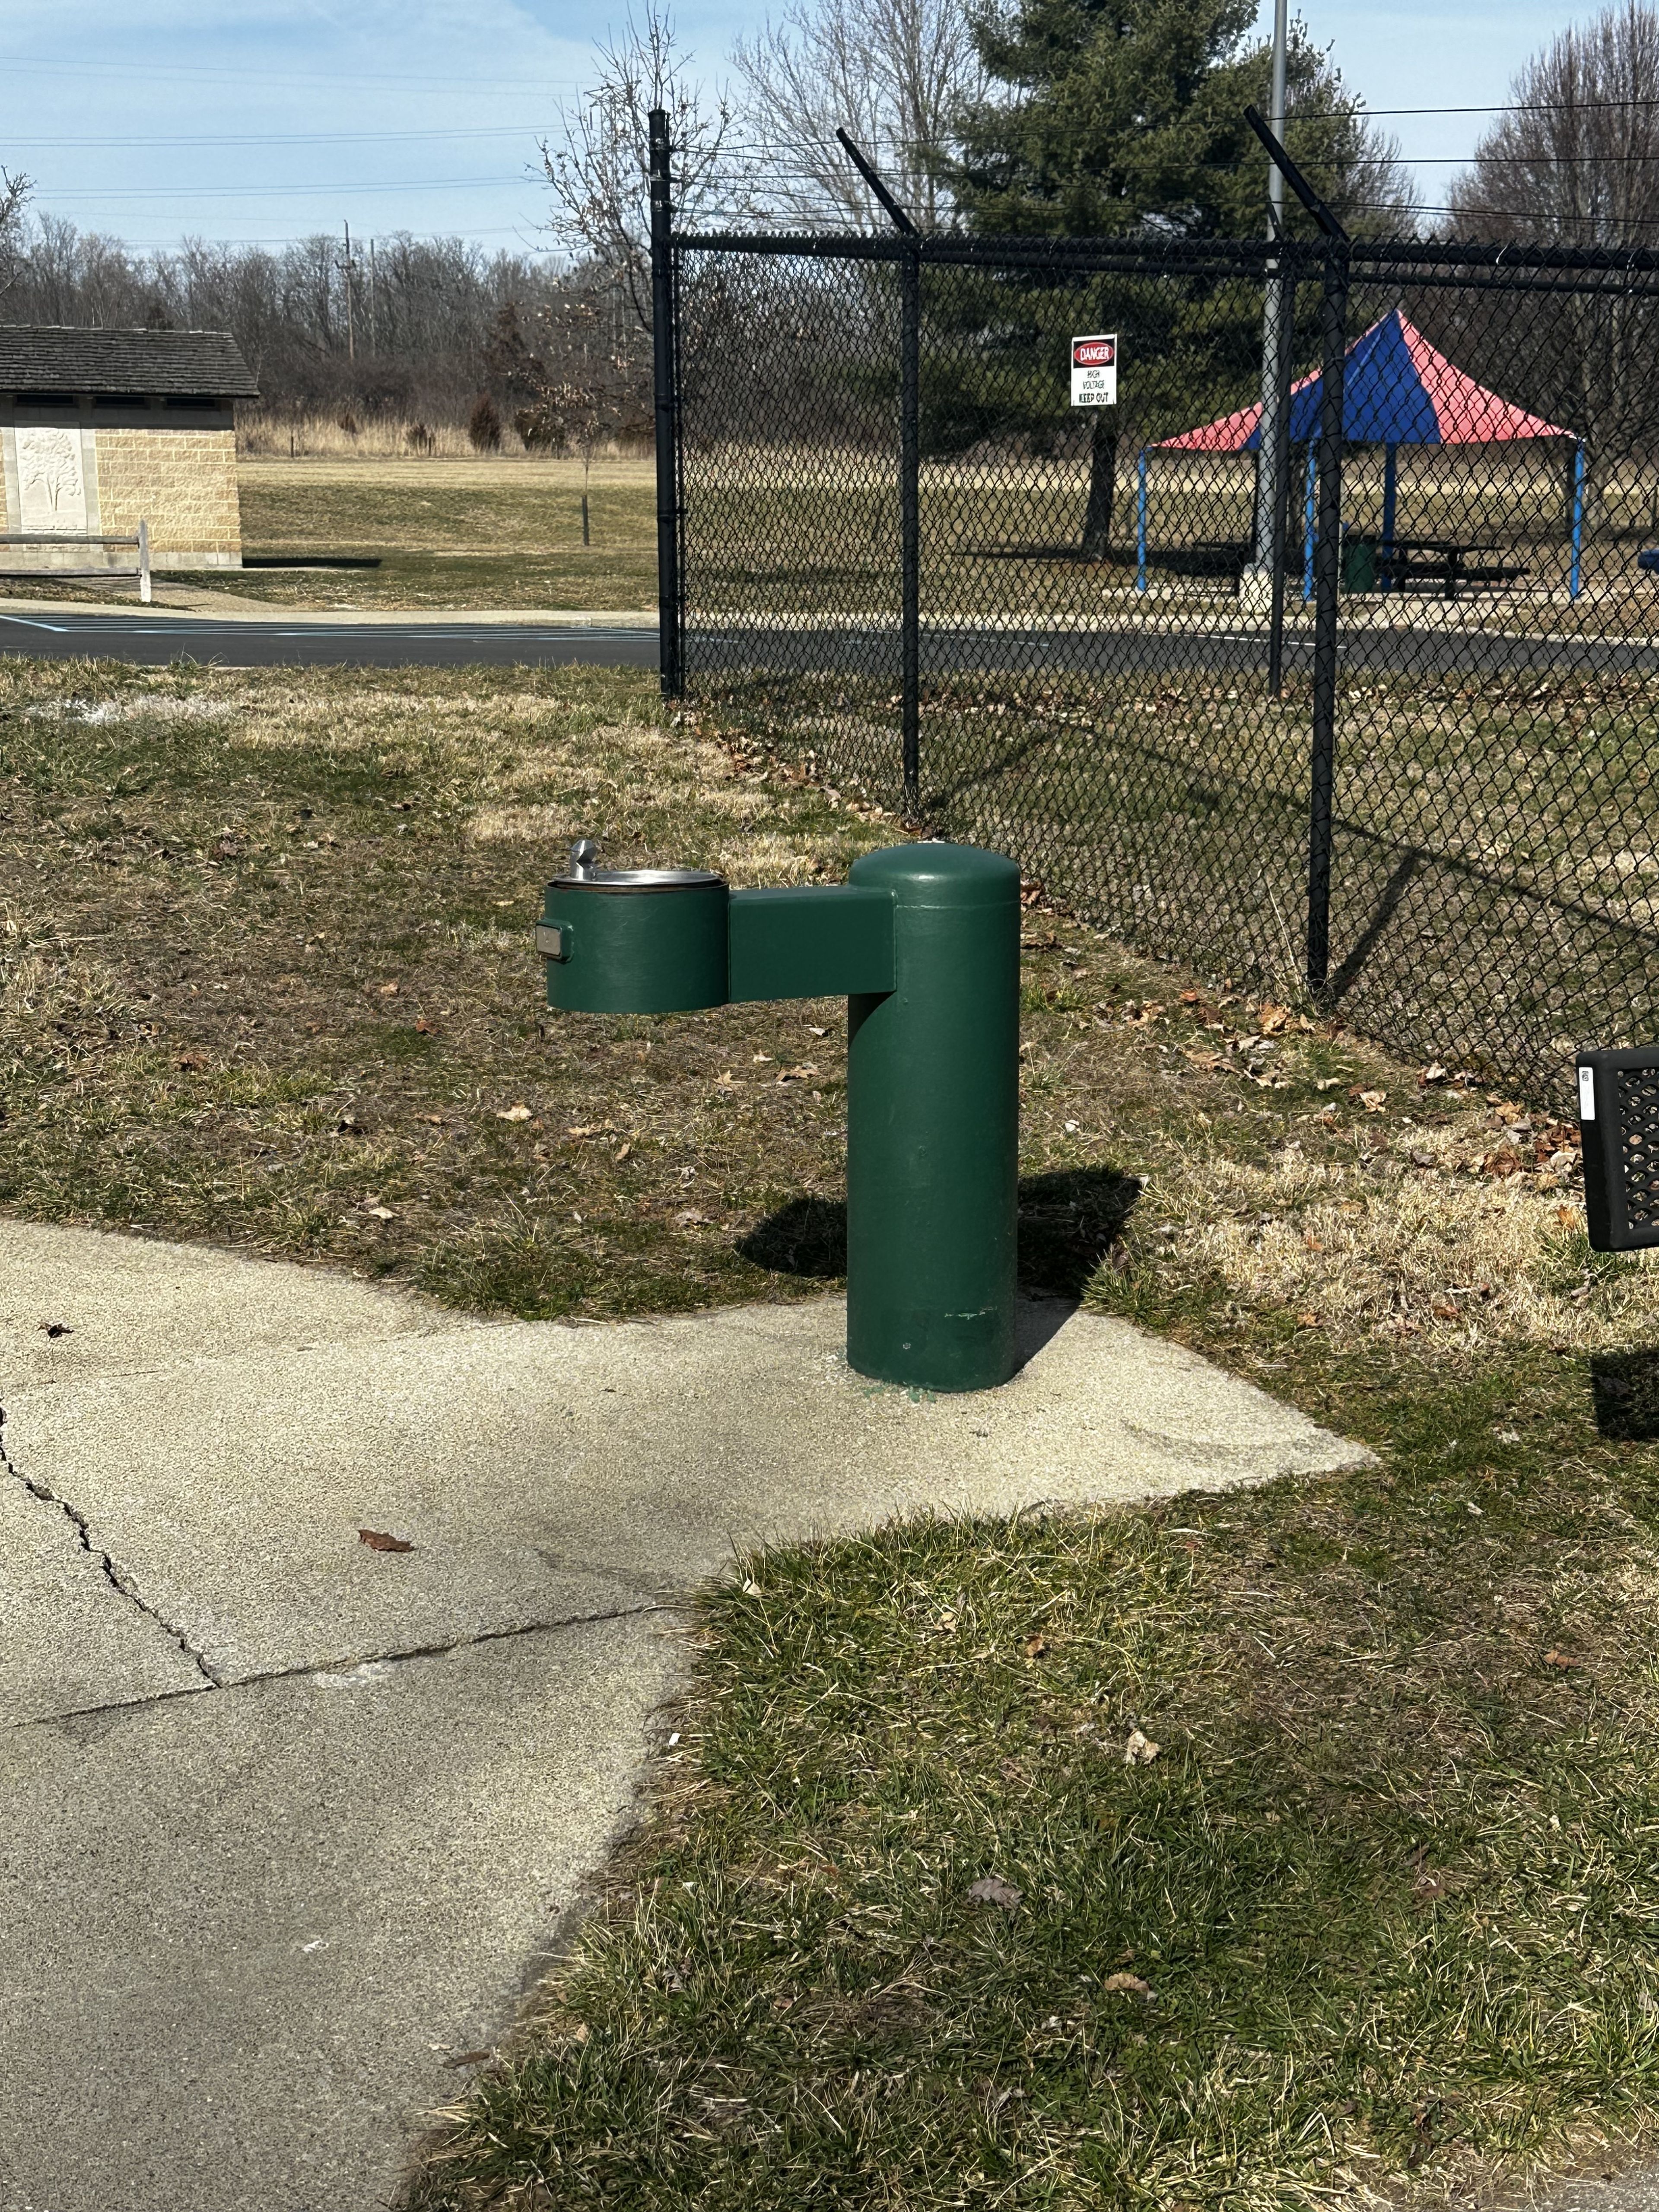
pixel 263 76
pixel 290 191
pixel 1495 108
pixel 1499 215
pixel 270 138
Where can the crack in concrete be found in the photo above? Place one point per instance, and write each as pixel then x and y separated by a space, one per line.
pixel 314 1667
pixel 107 1566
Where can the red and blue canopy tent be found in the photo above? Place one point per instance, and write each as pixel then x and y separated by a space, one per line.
pixel 1397 390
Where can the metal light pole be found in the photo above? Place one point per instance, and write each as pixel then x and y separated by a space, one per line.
pixel 1275 323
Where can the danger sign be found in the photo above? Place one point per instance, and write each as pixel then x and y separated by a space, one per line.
pixel 1094 370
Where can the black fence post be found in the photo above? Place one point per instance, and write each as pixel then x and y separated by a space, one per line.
pixel 1328 577
pixel 666 395
pixel 910 519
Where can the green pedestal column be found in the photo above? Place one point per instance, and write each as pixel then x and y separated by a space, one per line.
pixel 932 1090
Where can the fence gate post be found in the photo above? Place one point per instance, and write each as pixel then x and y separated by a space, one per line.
pixel 910 517
pixel 666 395
pixel 1327 558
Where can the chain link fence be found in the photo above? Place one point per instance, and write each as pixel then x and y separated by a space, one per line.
pixel 1347 685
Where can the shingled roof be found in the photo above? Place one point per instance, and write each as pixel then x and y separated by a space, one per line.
pixel 57 357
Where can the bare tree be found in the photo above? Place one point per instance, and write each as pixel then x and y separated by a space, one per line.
pixel 1576 163
pixel 583 370
pixel 14 199
pixel 600 172
pixel 893 77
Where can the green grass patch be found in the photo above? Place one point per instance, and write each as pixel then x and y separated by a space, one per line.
pixel 1379 1916
pixel 443 534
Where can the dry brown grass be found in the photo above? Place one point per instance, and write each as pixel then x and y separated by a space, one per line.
pixel 262 434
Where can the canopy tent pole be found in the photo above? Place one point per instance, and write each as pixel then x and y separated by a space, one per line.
pixel 1310 511
pixel 1390 501
pixel 1140 521
pixel 1575 573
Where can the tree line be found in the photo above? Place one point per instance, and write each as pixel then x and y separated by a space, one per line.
pixel 1037 117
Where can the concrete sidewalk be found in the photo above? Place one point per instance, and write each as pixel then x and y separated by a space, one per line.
pixel 288 1823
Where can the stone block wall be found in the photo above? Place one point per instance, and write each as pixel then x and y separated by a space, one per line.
pixel 182 482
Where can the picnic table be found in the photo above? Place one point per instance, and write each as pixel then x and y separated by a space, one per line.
pixel 1374 563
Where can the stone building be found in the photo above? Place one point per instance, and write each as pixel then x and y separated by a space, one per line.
pixel 102 429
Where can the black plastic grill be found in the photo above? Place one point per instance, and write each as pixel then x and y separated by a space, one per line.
pixel 1638 1135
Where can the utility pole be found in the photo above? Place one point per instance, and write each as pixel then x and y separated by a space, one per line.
pixel 1275 322
pixel 351 332
pixel 374 305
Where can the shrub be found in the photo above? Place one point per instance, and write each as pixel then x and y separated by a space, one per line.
pixel 484 428
pixel 348 422
pixel 420 439
pixel 538 428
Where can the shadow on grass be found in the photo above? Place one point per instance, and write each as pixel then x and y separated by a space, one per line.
pixel 1625 1394
pixel 311 560
pixel 1068 1221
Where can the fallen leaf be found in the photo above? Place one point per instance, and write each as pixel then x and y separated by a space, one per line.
pixel 1036 1646
pixel 378 1540
pixel 469 2058
pixel 622 1155
pixel 991 1889
pixel 1567 1216
pixel 1560 1659
pixel 436 1119
pixel 57 1329
pixel 795 1074
pixel 347 1124
pixel 1443 1309
pixel 1307 1321
pixel 1191 998
pixel 389 990
pixel 1272 1019
pixel 762 1060
pixel 1432 1073
pixel 190 1059
pixel 512 1113
pixel 691 1218
pixel 1140 1750
pixel 380 1213
pixel 1126 1986
pixel 424 1028
pixel 815 1030
pixel 1372 1100
pixel 1327 1083
pixel 1313 1244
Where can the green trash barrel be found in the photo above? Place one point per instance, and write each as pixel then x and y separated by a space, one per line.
pixel 1358 564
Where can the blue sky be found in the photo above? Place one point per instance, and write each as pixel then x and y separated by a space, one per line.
pixel 422 115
